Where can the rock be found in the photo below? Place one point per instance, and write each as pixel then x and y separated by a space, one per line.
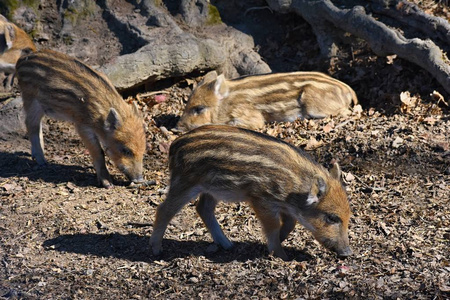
pixel 178 56
pixel 168 50
pixel 13 118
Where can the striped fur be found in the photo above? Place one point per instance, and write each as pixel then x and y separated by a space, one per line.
pixel 253 100
pixel 14 43
pixel 64 88
pixel 280 182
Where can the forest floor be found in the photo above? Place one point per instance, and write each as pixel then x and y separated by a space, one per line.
pixel 63 237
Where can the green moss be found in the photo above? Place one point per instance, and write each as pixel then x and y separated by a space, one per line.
pixel 83 10
pixel 158 2
pixel 213 15
pixel 33 33
pixel 445 57
pixel 88 9
pixel 8 7
pixel 31 3
pixel 68 40
pixel 71 15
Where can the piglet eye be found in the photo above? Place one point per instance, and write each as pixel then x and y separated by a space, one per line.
pixel 332 219
pixel 126 152
pixel 198 109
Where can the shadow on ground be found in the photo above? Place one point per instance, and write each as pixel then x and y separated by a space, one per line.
pixel 134 247
pixel 20 164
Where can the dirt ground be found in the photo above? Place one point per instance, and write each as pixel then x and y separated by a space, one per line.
pixel 62 237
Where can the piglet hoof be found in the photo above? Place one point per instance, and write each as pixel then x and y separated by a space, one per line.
pixel 283 257
pixel 281 254
pixel 226 244
pixel 156 250
pixel 106 184
pixel 40 161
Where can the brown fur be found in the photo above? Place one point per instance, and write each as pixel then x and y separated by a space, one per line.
pixel 62 87
pixel 281 184
pixel 14 43
pixel 253 100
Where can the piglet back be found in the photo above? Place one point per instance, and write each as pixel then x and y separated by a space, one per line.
pixel 237 158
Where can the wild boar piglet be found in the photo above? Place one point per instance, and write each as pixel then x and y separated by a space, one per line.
pixel 253 100
pixel 279 181
pixel 64 88
pixel 14 43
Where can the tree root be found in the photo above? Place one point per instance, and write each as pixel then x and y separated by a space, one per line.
pixel 329 22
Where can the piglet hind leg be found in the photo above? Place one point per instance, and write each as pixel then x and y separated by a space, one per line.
pixel 34 114
pixel 205 208
pixel 271 225
pixel 253 119
pixel 92 143
pixel 9 81
pixel 177 197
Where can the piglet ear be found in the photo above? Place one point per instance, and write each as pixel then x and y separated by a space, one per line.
pixel 335 171
pixel 209 77
pixel 113 121
pixel 318 188
pixel 221 87
pixel 10 35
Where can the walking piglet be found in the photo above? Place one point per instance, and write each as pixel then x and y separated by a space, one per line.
pixel 279 181
pixel 64 88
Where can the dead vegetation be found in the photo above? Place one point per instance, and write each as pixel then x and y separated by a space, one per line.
pixel 61 237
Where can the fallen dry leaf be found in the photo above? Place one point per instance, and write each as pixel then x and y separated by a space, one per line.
pixel 78 241
pixel 408 102
pixel 430 120
pixel 160 98
pixel 328 127
pixel 349 177
pixel 439 98
pixel 357 109
pixel 398 141
pixel 313 144
pixel 444 288
pixel 390 59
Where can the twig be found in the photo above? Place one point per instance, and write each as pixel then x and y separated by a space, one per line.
pixel 368 186
pixel 163 292
pixel 22 235
pixel 5 182
pixel 257 8
pixel 126 267
pixel 8 96
pixel 142 184
pixel 5 263
pixel 144 95
pixel 342 124
pixel 138 225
